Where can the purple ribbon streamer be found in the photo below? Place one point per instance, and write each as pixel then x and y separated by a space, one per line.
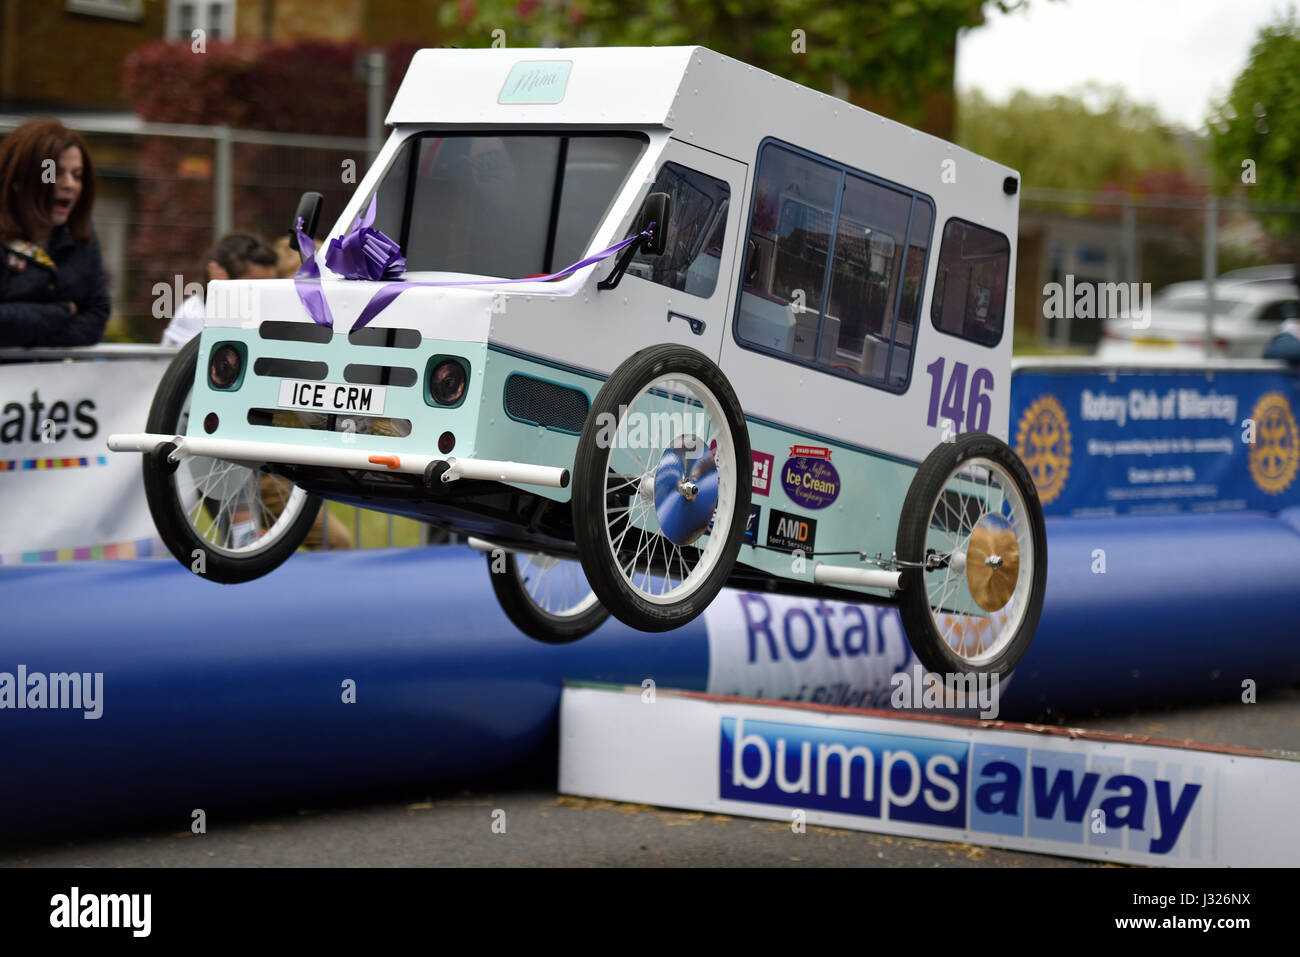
pixel 306 281
pixel 365 249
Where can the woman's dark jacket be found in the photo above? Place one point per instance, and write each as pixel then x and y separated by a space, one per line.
pixel 33 298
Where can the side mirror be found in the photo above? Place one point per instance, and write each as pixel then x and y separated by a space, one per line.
pixel 657 209
pixel 753 262
pixel 309 207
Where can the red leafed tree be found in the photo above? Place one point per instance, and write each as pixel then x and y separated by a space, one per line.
pixel 300 87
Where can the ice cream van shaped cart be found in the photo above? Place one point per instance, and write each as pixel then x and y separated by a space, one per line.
pixel 781 359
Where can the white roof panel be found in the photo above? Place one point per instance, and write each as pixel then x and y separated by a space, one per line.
pixel 627 86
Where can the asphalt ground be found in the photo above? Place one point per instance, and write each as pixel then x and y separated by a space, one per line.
pixel 535 827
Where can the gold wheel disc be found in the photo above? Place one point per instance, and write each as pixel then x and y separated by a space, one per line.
pixel 992 562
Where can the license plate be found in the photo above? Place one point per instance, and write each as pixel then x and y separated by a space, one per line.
pixel 331 397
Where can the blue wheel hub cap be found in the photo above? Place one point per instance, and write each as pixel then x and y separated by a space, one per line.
pixel 686 490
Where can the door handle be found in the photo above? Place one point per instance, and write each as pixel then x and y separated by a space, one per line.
pixel 697 325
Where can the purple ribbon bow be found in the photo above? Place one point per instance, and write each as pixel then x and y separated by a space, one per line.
pixel 366 253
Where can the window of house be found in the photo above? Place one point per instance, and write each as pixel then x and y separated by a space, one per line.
pixel 216 18
pixel 696 228
pixel 834 267
pixel 970 286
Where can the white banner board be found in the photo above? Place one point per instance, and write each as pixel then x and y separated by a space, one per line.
pixel 63 494
pixel 1046 790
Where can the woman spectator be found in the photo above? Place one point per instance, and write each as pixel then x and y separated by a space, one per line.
pixel 53 291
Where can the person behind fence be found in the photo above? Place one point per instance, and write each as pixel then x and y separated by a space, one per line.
pixel 53 289
pixel 235 256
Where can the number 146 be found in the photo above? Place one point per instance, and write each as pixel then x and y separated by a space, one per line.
pixel 974 408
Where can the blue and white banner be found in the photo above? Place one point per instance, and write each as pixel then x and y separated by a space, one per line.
pixel 1047 790
pixel 63 495
pixel 1109 442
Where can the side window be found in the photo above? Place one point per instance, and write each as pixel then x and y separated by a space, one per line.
pixel 834 267
pixel 970 290
pixel 1280 311
pixel 695 232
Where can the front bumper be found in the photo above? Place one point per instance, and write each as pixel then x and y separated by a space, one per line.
pixel 258 453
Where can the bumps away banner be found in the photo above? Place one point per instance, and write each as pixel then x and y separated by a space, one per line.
pixel 1179 440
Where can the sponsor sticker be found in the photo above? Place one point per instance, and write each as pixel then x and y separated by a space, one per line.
pixel 763 465
pixel 751 527
pixel 810 481
pixel 810 452
pixel 536 82
pixel 791 533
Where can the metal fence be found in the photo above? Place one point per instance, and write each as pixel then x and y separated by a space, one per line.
pixel 1152 238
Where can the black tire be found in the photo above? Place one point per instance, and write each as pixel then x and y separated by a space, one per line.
pixel 171 518
pixel 530 617
pixel 930 481
pixel 591 493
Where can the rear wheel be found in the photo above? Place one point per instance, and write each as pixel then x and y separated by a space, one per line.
pixel 224 521
pixel 661 487
pixel 973 521
pixel 547 598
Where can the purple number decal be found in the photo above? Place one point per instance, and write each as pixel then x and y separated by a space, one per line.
pixel 975 409
pixel 935 369
pixel 981 402
pixel 954 395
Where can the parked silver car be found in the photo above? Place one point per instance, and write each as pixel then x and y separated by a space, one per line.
pixel 1249 308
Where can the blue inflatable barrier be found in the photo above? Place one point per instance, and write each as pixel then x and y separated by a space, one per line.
pixel 218 697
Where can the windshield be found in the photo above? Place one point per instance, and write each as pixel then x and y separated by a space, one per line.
pixel 504 205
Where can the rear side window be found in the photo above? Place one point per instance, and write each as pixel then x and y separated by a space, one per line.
pixel 970 287
pixel 696 227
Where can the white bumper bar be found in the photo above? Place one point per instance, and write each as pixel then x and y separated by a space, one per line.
pixel 860 577
pixel 410 462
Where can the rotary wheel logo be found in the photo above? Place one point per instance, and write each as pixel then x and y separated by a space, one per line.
pixel 1043 444
pixel 1274 457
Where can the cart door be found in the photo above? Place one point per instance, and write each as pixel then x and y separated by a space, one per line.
pixel 685 294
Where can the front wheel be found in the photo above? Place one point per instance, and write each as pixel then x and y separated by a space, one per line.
pixel 546 598
pixel 223 521
pixel 975 558
pixel 661 487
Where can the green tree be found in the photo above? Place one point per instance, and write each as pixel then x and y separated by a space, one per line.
pixel 894 56
pixel 1086 140
pixel 1255 131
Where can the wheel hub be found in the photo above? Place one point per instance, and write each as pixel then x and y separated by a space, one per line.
pixel 686 489
pixel 992 562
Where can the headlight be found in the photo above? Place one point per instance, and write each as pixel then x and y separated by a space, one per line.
pixel 447 382
pixel 226 366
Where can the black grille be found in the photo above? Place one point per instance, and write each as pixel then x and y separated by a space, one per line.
pixel 384 336
pixel 379 375
pixel 545 403
pixel 294 331
pixel 290 368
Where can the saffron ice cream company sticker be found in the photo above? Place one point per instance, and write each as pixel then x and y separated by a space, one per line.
pixel 809 478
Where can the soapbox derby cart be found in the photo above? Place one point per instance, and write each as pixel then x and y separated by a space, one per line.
pixel 780 359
